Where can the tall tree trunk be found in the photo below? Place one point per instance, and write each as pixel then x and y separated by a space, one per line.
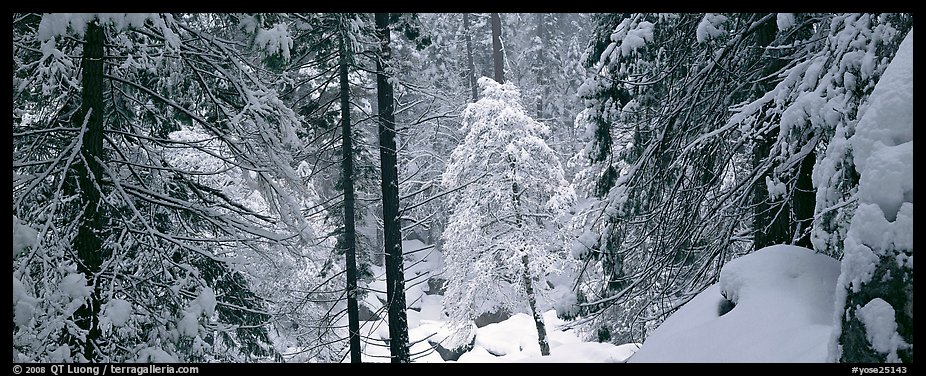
pixel 392 231
pixel 470 66
pixel 498 55
pixel 526 274
pixel 803 200
pixel 532 301
pixel 88 243
pixel 347 182
pixel 771 220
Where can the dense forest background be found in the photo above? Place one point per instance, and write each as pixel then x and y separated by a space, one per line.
pixel 306 187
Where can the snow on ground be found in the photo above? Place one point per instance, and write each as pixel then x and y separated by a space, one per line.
pixel 512 340
pixel 421 262
pixel 515 340
pixel 587 352
pixel 783 312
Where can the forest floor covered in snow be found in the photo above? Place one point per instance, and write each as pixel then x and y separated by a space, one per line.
pixel 511 340
pixel 774 305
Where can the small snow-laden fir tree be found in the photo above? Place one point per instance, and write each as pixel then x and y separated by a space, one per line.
pixel 504 235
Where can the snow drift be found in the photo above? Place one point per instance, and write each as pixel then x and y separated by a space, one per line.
pixel 782 310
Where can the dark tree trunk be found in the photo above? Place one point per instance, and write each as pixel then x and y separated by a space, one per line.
pixel 771 220
pixel 392 230
pixel 498 55
pixel 803 200
pixel 347 183
pixel 470 66
pixel 892 284
pixel 532 301
pixel 88 243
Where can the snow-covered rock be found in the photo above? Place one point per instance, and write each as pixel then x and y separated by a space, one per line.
pixel 783 308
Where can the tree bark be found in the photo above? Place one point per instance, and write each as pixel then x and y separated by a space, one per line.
pixel 803 200
pixel 347 183
pixel 88 243
pixel 498 55
pixel 894 285
pixel 392 230
pixel 532 301
pixel 526 274
pixel 771 220
pixel 470 66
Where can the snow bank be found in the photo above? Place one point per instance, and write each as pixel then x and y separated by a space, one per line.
pixel 154 355
pixel 783 313
pixel 515 340
pixel 510 336
pixel 587 352
pixel 512 340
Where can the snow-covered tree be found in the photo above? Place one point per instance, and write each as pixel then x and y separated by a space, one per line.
pixel 874 305
pixel 704 135
pixel 814 108
pixel 504 234
pixel 139 250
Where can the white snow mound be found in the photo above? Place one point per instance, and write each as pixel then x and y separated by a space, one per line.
pixel 783 312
